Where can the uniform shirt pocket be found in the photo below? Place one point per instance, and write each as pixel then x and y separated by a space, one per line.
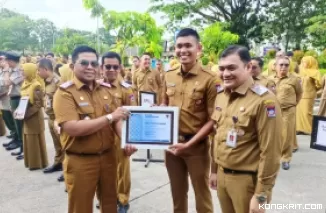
pixel 170 92
pixel 197 101
pixel 85 111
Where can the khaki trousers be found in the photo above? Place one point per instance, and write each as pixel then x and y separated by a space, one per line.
pixel 195 164
pixel 59 155
pixel 85 175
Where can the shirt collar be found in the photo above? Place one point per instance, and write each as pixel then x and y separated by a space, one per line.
pixel 80 84
pixel 243 88
pixel 192 71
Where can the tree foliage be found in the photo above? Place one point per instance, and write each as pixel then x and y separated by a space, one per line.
pixel 244 18
pixel 317 31
pixel 215 39
pixel 132 29
pixel 288 20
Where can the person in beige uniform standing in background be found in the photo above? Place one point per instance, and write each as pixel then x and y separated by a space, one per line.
pixel 123 96
pixel 247 145
pixel 45 70
pixel 256 69
pixel 145 79
pixel 288 93
pixel 193 90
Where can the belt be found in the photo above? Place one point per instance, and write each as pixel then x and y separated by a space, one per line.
pixel 15 97
pixel 183 138
pixel 237 172
pixel 88 154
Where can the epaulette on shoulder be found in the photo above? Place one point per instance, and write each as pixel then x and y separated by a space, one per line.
pixel 209 71
pixel 105 84
pixel 66 84
pixel 125 84
pixel 259 89
pixel 56 80
pixel 173 69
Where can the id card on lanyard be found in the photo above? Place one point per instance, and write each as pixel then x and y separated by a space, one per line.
pixel 231 140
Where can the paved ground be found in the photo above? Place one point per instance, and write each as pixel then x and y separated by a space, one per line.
pixel 23 191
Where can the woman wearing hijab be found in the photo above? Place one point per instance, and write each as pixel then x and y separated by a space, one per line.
pixel 33 127
pixel 311 83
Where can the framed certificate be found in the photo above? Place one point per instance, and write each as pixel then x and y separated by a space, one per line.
pixel 147 99
pixel 21 109
pixel 318 135
pixel 151 127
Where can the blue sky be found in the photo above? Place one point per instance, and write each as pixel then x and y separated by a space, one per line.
pixel 70 13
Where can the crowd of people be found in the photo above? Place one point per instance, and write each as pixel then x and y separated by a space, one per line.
pixel 237 123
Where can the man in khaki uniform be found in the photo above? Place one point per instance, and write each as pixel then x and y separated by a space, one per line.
pixel 145 79
pixel 193 90
pixel 288 93
pixel 45 70
pixel 256 70
pixel 88 120
pixel 247 145
pixel 123 96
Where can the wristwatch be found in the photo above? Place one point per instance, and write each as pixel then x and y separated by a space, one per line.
pixel 110 118
pixel 261 198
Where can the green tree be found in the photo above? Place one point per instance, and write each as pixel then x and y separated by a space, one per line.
pixel 288 20
pixel 244 18
pixel 317 31
pixel 215 39
pixel 132 29
pixel 16 32
pixel 97 11
pixel 45 31
pixel 69 41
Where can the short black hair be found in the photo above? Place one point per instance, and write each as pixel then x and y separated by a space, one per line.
pixel 50 54
pixel 111 55
pixel 289 54
pixel 56 69
pixel 82 49
pixel 241 51
pixel 188 32
pixel 260 61
pixel 147 53
pixel 135 57
pixel 46 64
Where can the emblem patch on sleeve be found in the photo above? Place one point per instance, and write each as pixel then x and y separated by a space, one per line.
pixel 271 113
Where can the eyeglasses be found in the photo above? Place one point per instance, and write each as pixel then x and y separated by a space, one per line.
pixel 109 67
pixel 86 63
pixel 284 65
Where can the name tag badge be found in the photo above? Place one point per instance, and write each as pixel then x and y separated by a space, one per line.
pixel 82 104
pixel 48 102
pixel 231 140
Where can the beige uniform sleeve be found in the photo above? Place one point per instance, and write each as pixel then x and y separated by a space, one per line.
pixel 128 97
pixel 38 103
pixel 298 90
pixel 64 107
pixel 269 131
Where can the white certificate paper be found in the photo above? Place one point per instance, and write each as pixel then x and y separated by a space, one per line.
pixel 151 127
pixel 147 99
pixel 321 134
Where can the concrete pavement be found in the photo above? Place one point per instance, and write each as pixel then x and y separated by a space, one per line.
pixel 23 191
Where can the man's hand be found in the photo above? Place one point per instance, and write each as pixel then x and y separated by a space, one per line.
pixel 57 127
pixel 213 181
pixel 120 113
pixel 254 206
pixel 177 149
pixel 129 150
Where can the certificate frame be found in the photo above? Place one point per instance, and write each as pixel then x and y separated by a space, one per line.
pixel 316 131
pixel 22 107
pixel 174 127
pixel 142 99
